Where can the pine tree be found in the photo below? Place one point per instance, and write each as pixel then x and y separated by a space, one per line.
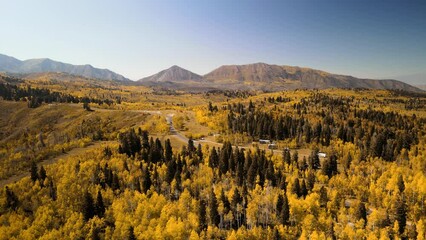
pixel 323 198
pixel 225 202
pixel 285 212
pixel 202 221
pixel 191 147
pixel 280 202
pixel 34 171
pixel 296 188
pixel 88 206
pixel 310 181
pixel 99 205
pixel 146 182
pixel 52 190
pixel 286 156
pixel 400 183
pixel 400 211
pixel 295 157
pixel 360 211
pixel 276 235
pixel 131 234
pixel 199 152
pixel 168 151
pixel 12 201
pixel 313 160
pixel 303 189
pixel 115 185
pixel 214 214
pixel 213 159
pixel 42 174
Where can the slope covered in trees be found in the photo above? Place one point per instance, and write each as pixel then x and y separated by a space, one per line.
pixel 370 185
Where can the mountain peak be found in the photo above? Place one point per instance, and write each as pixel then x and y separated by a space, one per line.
pixel 172 74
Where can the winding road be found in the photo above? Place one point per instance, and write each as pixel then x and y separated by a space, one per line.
pixel 76 151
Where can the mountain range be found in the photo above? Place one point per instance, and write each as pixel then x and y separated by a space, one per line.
pixel 257 76
pixel 13 65
pixel 266 77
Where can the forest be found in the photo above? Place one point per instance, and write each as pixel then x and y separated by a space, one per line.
pixel 350 164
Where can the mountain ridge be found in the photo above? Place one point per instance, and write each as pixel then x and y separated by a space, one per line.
pixel 257 76
pixel 281 77
pixel 38 65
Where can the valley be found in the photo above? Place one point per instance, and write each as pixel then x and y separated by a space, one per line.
pixel 97 159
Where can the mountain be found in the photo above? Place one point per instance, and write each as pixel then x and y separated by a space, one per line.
pixel 423 87
pixel 415 78
pixel 172 74
pixel 262 76
pixel 13 65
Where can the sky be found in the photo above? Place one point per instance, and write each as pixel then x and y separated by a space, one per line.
pixel 362 38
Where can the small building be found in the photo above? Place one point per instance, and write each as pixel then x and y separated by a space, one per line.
pixel 264 141
pixel 322 155
pixel 272 146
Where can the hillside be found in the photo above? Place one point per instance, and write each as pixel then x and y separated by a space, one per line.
pixel 274 77
pixel 172 74
pixel 13 65
pixel 69 173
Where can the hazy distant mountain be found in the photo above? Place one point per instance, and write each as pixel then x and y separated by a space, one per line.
pixel 423 87
pixel 173 74
pixel 13 65
pixel 414 79
pixel 261 76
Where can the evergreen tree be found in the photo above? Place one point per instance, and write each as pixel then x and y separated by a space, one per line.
pixel 42 174
pixel 225 202
pixel 323 198
pixel 115 185
pixel 296 188
pixel 276 234
pixel 213 159
pixel 400 212
pixel 303 189
pixel 146 182
pixel 400 183
pixel 34 171
pixel 202 220
pixel 285 212
pixel 12 201
pixel 286 156
pixel 99 205
pixel 313 160
pixel 168 154
pixel 280 203
pixel 310 181
pixel 88 206
pixel 199 152
pixel 191 146
pixel 52 190
pixel 131 234
pixel 295 157
pixel 214 214
pixel 360 211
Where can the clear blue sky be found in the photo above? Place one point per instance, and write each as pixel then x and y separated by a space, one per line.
pixel 137 38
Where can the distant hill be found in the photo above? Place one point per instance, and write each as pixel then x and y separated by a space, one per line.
pixel 414 79
pixel 261 76
pixel 423 87
pixel 173 74
pixel 13 65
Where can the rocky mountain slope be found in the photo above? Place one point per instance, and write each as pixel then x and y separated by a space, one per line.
pixel 274 77
pixel 13 65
